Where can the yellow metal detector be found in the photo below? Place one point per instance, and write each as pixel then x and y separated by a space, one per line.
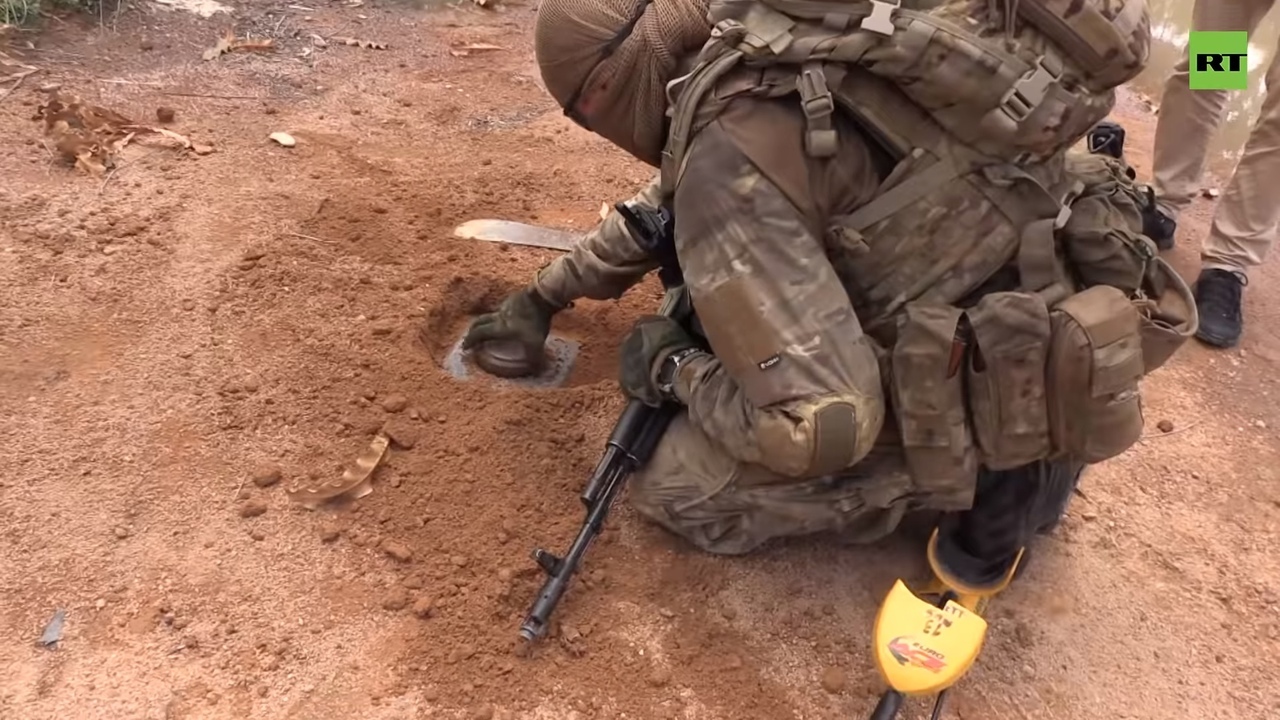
pixel 922 647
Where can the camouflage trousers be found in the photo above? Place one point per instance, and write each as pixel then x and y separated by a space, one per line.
pixel 694 489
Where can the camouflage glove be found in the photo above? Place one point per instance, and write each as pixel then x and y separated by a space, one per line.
pixel 523 317
pixel 653 340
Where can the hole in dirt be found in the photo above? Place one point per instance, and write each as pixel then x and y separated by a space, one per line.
pixel 581 356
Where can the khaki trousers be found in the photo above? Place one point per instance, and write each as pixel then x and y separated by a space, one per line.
pixel 1246 219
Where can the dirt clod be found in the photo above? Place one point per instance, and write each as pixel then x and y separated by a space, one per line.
pixel 394 403
pixel 395 599
pixel 165 114
pixel 1165 426
pixel 397 550
pixel 834 680
pixel 252 508
pixel 402 432
pixel 266 476
pixel 660 677
pixel 330 532
pixel 424 608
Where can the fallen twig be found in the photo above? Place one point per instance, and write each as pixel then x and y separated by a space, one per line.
pixel 14 86
pixel 309 237
pixel 128 82
pixel 1182 429
pixel 107 179
pixel 220 97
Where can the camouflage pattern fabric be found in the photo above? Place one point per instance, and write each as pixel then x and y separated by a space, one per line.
pixel 604 264
pixel 780 434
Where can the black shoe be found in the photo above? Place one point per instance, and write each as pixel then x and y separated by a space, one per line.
pixel 1218 295
pixel 1156 224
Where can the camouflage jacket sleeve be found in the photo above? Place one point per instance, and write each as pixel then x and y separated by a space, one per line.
pixel 604 264
pixel 792 382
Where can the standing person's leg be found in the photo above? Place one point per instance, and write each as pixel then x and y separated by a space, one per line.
pixel 1188 118
pixel 1244 223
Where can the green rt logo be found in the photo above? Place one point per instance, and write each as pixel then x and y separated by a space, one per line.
pixel 1219 60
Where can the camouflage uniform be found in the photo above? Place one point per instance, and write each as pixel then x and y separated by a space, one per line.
pixel 754 456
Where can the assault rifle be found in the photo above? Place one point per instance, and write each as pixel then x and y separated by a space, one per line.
pixel 634 437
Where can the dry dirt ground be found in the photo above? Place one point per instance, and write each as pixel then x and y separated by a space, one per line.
pixel 195 321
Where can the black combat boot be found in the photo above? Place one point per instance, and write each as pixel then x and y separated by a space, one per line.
pixel 1218 299
pixel 979 551
pixel 1157 225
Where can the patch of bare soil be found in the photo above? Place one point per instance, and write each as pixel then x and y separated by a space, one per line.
pixel 182 329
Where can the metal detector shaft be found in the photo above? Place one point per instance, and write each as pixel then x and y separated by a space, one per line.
pixel 889 705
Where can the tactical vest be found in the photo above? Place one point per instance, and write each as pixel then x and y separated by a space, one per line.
pixel 978 122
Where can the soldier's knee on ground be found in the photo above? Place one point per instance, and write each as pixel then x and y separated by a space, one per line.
pixel 693 489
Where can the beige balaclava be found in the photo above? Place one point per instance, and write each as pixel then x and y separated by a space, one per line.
pixel 625 92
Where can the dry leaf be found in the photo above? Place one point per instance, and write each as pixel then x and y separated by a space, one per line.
pixel 604 210
pixel 228 43
pixel 90 136
pixel 466 50
pixel 318 41
pixel 366 44
pixel 224 45
pixel 284 139
pixel 356 480
pixel 254 44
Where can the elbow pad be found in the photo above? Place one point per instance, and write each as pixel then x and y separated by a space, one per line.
pixel 820 437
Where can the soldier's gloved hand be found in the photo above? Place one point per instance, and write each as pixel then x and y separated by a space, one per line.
pixel 652 340
pixel 523 317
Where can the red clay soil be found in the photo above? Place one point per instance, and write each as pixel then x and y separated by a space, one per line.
pixel 175 333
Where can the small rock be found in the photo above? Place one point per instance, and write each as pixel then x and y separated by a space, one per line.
pixel 260 691
pixel 834 680
pixel 329 533
pixel 425 608
pixel 401 432
pixel 1089 516
pixel 110 249
pixel 732 662
pixel 384 327
pixel 414 582
pixel 666 613
pixel 146 45
pixel 180 623
pixel 121 532
pixel 459 561
pixel 1211 193
pixel 483 712
pixel 266 476
pixel 100 603
pixel 252 508
pixel 284 139
pixel 397 550
pixel 1165 426
pixel 395 600
pixel 660 677
pixel 394 403
pixel 1261 424
pixel 257 535
pixel 164 114
pixel 728 613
